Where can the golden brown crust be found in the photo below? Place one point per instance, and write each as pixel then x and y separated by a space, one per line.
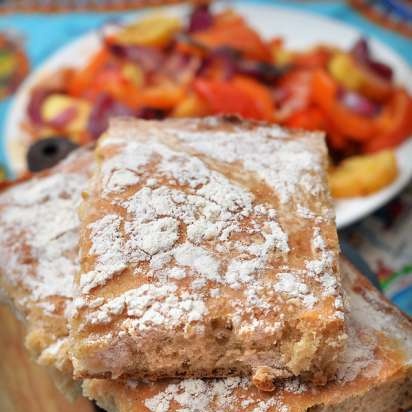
pixel 208 248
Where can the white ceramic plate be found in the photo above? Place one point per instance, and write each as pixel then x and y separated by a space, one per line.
pixel 300 31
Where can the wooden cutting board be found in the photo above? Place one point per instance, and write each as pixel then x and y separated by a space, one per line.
pixel 25 386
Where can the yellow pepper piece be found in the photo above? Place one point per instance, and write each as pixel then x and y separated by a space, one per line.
pixel 190 106
pixel 133 74
pixel 156 30
pixel 8 64
pixel 363 175
pixel 282 57
pixel 344 70
pixel 56 104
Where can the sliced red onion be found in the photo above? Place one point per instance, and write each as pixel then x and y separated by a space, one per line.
pixel 180 66
pixel 200 19
pixel 150 113
pixel 228 57
pixel 265 72
pixel 62 119
pixel 37 98
pixel 105 107
pixel 358 103
pixel 360 50
pixel 234 63
pixel 381 69
pixel 148 58
pixel 362 54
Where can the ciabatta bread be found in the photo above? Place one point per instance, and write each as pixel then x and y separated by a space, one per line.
pixel 208 249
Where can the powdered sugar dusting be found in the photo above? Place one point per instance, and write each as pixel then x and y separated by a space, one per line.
pixel 218 395
pixel 293 287
pixel 152 305
pixel 230 394
pixel 39 235
pixel 284 164
pixel 213 210
pixel 118 179
pixel 107 247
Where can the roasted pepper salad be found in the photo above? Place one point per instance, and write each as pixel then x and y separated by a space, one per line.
pixel 215 63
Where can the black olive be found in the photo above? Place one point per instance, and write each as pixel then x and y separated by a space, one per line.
pixel 47 152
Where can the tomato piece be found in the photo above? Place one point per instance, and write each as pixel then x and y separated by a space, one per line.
pixel 324 89
pixel 230 30
pixel 262 99
pixel 293 93
pixel 394 123
pixel 240 95
pixel 82 78
pixel 311 118
pixel 110 80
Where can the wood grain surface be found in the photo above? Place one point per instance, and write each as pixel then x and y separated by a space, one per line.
pixel 24 386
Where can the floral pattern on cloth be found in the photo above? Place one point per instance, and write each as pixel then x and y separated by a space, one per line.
pixel 384 240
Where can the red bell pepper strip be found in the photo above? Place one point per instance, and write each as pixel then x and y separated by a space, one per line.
pixel 394 123
pixel 82 78
pixel 311 118
pixel 241 95
pixel 293 93
pixel 230 30
pixel 343 120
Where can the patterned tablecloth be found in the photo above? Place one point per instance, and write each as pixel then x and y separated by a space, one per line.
pixel 383 240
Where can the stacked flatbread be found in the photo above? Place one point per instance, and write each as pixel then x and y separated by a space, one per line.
pixel 208 277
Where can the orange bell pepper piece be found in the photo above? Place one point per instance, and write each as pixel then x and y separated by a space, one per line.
pixel 82 78
pixel 394 123
pixel 162 96
pixel 260 95
pixel 230 30
pixel 311 118
pixel 191 106
pixel 315 58
pixel 240 95
pixel 343 120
